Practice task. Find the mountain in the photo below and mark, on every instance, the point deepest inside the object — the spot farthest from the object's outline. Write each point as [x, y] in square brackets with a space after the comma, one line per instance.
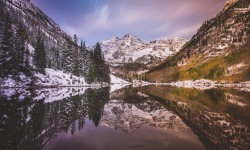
[31, 44]
[219, 50]
[131, 49]
[34, 21]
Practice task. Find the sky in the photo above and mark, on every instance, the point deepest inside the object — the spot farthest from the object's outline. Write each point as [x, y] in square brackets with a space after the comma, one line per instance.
[98, 20]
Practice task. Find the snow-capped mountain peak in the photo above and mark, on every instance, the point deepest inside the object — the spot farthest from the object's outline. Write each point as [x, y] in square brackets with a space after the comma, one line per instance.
[131, 49]
[115, 38]
[110, 41]
[131, 37]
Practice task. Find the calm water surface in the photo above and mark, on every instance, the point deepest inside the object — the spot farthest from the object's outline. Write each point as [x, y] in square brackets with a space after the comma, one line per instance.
[131, 118]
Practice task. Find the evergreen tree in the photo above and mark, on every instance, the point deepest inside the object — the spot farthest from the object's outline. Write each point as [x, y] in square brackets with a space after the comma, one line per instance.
[54, 58]
[67, 57]
[76, 65]
[8, 56]
[98, 63]
[75, 39]
[83, 59]
[106, 74]
[89, 77]
[98, 71]
[26, 57]
[39, 54]
[76, 68]
[2, 57]
[19, 45]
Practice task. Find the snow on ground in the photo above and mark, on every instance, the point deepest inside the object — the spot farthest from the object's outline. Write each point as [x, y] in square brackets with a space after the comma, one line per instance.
[51, 78]
[116, 80]
[10, 82]
[235, 69]
[117, 83]
[59, 78]
[202, 84]
[54, 78]
[138, 83]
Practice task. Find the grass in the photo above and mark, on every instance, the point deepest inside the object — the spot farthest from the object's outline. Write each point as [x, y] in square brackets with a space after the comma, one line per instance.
[214, 68]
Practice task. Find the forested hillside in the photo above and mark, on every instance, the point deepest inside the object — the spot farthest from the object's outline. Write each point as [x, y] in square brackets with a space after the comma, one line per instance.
[30, 42]
[219, 50]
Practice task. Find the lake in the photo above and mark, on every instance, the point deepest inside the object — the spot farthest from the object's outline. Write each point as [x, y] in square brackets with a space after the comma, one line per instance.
[142, 118]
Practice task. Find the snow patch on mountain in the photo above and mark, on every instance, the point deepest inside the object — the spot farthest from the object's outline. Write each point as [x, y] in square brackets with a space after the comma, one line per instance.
[131, 49]
[235, 69]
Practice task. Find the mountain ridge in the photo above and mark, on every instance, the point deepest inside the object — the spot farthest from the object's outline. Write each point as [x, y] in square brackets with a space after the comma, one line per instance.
[131, 49]
[34, 43]
[214, 41]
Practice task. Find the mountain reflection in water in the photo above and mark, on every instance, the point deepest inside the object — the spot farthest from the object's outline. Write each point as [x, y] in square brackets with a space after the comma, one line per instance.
[131, 118]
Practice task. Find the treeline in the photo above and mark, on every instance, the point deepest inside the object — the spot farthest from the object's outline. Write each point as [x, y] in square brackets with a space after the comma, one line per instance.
[56, 50]
[13, 42]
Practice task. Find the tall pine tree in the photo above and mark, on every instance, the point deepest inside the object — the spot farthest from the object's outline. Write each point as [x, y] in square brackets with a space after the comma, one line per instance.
[8, 55]
[98, 63]
[83, 59]
[2, 57]
[19, 46]
[90, 69]
[76, 66]
[98, 70]
[39, 54]
[67, 56]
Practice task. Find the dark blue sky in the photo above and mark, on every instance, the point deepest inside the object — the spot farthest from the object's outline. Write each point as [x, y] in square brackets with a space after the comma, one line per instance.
[96, 20]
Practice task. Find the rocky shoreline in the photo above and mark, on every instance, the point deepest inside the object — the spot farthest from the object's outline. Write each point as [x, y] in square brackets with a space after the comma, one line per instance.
[201, 84]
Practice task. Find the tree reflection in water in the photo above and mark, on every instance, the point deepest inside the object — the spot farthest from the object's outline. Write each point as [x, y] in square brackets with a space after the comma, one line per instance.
[31, 124]
[219, 117]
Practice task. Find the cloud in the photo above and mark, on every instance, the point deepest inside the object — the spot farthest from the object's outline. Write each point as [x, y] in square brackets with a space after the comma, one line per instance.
[95, 20]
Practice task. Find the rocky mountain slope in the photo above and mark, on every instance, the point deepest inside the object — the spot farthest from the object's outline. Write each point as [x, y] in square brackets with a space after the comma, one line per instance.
[219, 50]
[131, 49]
[34, 21]
[34, 43]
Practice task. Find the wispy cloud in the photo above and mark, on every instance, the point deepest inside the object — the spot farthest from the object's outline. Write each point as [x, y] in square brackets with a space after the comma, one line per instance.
[95, 20]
